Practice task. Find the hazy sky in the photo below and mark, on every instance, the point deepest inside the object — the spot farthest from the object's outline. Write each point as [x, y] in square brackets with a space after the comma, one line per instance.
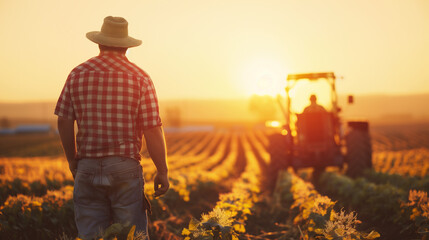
[222, 48]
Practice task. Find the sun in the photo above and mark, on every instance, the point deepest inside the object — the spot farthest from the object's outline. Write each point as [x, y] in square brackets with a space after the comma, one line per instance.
[267, 84]
[263, 76]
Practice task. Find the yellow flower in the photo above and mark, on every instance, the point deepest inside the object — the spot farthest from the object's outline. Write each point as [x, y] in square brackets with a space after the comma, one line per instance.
[415, 214]
[239, 228]
[186, 232]
[36, 203]
[333, 216]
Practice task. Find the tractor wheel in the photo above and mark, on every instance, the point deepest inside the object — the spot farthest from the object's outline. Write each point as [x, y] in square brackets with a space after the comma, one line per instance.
[277, 149]
[359, 152]
[278, 159]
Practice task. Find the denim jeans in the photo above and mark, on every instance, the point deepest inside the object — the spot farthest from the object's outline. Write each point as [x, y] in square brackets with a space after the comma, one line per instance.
[109, 190]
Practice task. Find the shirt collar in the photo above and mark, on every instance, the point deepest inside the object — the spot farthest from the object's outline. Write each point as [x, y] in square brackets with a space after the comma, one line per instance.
[112, 53]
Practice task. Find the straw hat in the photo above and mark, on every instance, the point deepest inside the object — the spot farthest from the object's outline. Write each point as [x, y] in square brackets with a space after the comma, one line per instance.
[114, 33]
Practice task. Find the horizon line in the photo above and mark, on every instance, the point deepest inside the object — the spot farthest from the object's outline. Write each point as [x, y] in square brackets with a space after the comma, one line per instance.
[4, 101]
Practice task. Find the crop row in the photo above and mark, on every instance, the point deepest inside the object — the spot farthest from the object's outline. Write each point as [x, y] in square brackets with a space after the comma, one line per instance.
[34, 169]
[406, 183]
[227, 219]
[30, 145]
[384, 206]
[315, 214]
[35, 188]
[406, 162]
[26, 217]
[32, 176]
[398, 138]
[210, 176]
[186, 179]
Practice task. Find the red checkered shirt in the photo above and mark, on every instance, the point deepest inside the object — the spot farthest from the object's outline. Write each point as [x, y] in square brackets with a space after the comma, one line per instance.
[112, 101]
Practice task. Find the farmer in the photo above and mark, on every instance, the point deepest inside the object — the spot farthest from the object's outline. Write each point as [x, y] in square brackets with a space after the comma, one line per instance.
[314, 107]
[114, 104]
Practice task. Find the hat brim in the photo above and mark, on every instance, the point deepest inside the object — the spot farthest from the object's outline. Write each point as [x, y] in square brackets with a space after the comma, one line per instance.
[100, 38]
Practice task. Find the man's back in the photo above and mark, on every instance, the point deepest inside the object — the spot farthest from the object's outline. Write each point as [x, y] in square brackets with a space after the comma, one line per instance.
[314, 108]
[112, 101]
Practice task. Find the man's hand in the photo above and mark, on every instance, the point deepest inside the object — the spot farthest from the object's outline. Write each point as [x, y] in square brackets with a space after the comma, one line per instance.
[161, 184]
[155, 144]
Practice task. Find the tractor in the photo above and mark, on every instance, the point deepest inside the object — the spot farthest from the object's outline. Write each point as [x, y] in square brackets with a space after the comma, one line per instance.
[316, 139]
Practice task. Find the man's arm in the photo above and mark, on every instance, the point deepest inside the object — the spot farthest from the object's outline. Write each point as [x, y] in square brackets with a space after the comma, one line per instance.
[66, 130]
[155, 144]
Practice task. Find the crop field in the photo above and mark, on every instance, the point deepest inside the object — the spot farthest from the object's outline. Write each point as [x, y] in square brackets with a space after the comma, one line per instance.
[223, 186]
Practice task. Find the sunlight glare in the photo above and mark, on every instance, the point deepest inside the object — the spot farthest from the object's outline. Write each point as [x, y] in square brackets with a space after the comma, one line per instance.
[263, 77]
[267, 85]
[273, 124]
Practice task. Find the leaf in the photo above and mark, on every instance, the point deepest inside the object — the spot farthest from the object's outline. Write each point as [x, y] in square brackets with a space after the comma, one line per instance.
[226, 229]
[186, 232]
[113, 230]
[239, 228]
[131, 233]
[193, 224]
[373, 235]
[339, 232]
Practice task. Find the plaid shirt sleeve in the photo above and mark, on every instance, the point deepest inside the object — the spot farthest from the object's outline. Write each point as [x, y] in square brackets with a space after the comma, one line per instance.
[148, 116]
[64, 107]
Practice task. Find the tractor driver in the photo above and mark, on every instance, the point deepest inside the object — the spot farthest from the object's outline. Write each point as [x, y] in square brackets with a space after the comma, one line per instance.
[314, 107]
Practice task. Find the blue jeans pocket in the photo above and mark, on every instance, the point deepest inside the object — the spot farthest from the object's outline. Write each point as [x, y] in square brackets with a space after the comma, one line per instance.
[126, 186]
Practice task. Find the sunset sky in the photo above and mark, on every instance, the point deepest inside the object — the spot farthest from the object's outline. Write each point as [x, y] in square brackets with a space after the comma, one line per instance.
[221, 49]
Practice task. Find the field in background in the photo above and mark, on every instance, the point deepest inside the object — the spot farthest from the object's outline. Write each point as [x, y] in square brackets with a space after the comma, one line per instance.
[385, 137]
[378, 109]
[229, 165]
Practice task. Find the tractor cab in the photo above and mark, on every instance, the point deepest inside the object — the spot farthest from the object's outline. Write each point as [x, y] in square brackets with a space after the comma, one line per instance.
[312, 136]
[313, 128]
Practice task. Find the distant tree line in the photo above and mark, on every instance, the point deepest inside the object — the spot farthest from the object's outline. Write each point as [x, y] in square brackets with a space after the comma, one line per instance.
[5, 123]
